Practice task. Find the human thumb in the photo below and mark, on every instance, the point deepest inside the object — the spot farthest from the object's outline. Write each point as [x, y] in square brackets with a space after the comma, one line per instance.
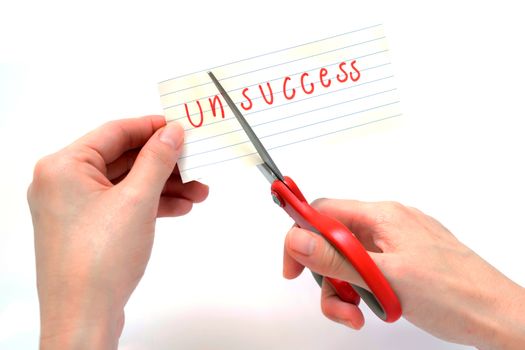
[156, 160]
[313, 251]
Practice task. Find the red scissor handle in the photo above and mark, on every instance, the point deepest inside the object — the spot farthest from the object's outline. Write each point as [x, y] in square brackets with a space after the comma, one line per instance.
[383, 301]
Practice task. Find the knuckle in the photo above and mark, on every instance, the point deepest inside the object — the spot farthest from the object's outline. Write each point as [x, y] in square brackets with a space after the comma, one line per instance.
[320, 203]
[394, 206]
[111, 125]
[50, 168]
[43, 168]
[132, 196]
[48, 175]
[415, 210]
[334, 262]
[389, 211]
[113, 128]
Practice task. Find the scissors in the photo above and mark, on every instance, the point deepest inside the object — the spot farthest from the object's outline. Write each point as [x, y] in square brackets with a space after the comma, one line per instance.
[381, 300]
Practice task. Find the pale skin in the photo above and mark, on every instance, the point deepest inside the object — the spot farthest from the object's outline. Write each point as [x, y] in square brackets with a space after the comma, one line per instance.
[444, 287]
[94, 205]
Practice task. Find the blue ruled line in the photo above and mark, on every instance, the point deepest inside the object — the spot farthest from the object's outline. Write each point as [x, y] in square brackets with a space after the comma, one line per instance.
[273, 66]
[229, 91]
[292, 102]
[273, 52]
[292, 116]
[289, 130]
[292, 143]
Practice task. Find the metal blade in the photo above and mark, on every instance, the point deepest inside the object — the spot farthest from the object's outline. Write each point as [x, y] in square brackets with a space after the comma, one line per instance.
[263, 153]
[267, 172]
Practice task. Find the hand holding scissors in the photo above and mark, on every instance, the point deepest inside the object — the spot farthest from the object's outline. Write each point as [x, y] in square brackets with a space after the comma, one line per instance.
[382, 300]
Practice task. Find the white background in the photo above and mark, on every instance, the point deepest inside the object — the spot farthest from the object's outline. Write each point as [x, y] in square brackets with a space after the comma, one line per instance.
[214, 279]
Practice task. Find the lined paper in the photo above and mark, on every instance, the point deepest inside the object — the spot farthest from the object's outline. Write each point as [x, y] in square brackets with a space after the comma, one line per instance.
[352, 83]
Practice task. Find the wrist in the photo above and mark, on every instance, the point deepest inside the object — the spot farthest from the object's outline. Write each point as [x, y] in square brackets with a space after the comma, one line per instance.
[501, 322]
[69, 327]
[85, 336]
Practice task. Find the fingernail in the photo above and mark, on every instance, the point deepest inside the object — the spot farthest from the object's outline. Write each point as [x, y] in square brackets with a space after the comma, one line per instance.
[172, 135]
[302, 242]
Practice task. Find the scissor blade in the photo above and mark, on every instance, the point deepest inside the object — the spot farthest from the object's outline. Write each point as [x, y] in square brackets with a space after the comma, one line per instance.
[263, 153]
[267, 172]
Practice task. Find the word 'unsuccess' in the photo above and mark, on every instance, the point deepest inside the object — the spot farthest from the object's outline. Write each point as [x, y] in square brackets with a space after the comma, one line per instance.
[306, 87]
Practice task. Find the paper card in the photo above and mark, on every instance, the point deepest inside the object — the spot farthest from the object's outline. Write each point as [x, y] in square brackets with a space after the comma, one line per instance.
[306, 94]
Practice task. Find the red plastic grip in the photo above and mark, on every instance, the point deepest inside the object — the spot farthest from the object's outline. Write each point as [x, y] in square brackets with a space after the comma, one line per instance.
[305, 216]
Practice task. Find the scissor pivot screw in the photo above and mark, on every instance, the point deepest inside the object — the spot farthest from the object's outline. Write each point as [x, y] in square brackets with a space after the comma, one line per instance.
[277, 199]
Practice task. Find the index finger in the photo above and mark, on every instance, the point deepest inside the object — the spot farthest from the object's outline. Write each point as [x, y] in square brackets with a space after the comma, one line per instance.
[361, 218]
[112, 139]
